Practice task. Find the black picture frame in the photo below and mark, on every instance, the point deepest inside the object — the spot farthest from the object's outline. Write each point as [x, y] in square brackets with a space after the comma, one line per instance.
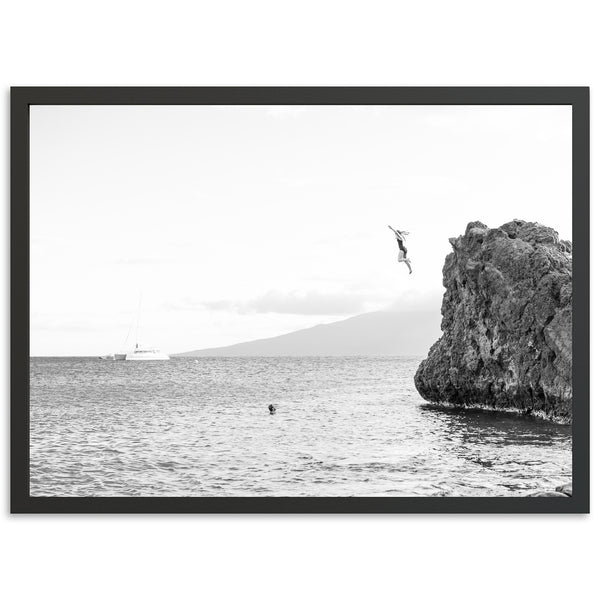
[24, 97]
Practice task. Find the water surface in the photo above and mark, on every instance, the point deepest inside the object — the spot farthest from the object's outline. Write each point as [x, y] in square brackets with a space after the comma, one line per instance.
[344, 427]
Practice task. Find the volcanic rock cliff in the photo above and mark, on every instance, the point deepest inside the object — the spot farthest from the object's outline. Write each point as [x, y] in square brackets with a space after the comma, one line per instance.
[506, 323]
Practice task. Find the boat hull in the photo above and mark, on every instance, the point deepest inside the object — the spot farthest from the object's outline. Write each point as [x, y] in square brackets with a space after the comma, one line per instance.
[157, 356]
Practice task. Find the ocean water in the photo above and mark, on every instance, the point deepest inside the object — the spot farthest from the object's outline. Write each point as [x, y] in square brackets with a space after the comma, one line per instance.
[344, 427]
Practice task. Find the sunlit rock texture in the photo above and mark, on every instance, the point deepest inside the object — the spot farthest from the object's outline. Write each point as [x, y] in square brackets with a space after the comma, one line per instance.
[506, 323]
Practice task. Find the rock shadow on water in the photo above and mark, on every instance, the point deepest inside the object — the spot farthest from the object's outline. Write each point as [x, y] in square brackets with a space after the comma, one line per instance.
[482, 425]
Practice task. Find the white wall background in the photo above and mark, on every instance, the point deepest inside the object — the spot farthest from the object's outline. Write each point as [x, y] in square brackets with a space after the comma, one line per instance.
[523, 42]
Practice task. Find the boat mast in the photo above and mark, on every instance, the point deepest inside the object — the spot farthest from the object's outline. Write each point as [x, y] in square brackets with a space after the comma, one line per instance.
[128, 334]
[137, 327]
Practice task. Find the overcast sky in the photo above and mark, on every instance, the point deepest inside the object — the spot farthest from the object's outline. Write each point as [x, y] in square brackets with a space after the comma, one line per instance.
[240, 222]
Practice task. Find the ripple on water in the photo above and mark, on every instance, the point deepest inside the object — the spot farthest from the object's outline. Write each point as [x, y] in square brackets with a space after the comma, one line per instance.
[344, 427]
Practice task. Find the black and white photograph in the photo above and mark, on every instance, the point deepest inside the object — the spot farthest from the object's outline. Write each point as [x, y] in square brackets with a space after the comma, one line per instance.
[301, 300]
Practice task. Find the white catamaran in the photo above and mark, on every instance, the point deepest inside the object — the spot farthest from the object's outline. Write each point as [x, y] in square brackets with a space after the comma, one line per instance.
[140, 353]
[143, 354]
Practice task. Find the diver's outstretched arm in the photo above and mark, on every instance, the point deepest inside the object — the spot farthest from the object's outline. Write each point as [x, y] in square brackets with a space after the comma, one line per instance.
[395, 232]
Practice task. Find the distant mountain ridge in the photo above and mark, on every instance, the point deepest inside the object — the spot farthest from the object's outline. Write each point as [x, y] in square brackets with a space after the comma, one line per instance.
[384, 333]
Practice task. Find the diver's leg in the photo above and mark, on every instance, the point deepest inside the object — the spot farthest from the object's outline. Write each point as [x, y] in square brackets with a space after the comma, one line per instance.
[402, 259]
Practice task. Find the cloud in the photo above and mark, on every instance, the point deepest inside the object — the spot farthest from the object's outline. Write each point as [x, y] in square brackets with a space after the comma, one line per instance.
[289, 303]
[216, 304]
[309, 303]
[414, 301]
[360, 299]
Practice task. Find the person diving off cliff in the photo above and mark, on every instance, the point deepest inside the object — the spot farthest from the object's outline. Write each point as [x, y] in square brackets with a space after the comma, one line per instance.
[401, 238]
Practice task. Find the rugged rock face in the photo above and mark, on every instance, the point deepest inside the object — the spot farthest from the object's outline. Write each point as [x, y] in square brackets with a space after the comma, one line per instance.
[506, 323]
